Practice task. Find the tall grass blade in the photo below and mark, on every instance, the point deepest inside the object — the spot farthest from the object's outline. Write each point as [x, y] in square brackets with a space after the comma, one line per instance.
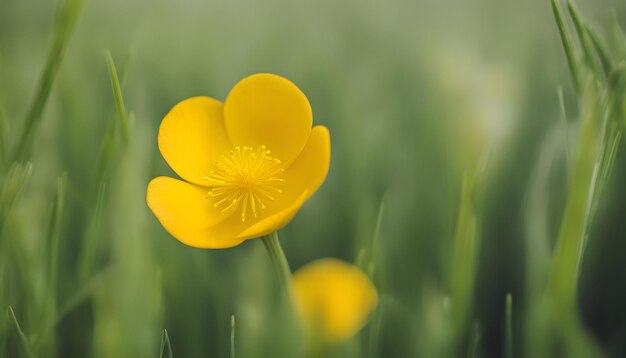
[68, 13]
[580, 27]
[576, 213]
[618, 41]
[601, 49]
[166, 345]
[567, 44]
[117, 96]
[367, 256]
[232, 336]
[54, 231]
[568, 155]
[508, 330]
[53, 238]
[24, 344]
[464, 256]
[106, 149]
[597, 142]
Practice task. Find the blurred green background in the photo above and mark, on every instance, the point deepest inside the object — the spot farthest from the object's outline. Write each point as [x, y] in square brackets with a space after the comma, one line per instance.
[413, 92]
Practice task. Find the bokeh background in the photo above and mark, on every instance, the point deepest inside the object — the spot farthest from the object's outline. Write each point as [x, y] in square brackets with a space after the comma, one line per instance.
[411, 91]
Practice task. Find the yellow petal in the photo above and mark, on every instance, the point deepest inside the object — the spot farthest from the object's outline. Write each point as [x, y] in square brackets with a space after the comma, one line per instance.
[311, 167]
[307, 173]
[302, 179]
[335, 298]
[266, 109]
[187, 214]
[275, 221]
[192, 136]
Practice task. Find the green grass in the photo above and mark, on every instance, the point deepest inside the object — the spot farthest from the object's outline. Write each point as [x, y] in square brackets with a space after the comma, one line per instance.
[475, 176]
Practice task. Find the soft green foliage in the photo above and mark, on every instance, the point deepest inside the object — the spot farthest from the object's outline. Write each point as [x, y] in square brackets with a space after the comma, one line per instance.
[472, 180]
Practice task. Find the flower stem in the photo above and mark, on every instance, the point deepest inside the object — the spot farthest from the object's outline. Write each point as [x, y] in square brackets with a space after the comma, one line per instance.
[279, 261]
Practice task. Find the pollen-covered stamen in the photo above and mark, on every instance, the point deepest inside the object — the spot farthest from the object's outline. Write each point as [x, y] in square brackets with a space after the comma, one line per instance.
[247, 178]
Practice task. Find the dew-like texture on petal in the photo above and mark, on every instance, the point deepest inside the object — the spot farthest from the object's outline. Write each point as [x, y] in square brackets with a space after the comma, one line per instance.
[309, 170]
[192, 136]
[334, 297]
[186, 213]
[266, 109]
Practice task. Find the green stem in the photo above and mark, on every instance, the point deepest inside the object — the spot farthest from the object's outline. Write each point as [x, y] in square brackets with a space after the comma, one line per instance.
[279, 261]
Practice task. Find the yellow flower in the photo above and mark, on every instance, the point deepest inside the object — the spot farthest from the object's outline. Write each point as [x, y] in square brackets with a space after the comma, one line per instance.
[248, 164]
[335, 298]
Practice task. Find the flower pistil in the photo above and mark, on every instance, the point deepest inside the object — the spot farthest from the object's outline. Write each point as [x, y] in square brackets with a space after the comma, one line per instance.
[245, 178]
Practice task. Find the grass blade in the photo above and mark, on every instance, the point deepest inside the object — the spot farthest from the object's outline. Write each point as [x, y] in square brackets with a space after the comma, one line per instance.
[53, 238]
[367, 256]
[24, 344]
[601, 50]
[109, 138]
[568, 155]
[232, 336]
[567, 44]
[166, 345]
[54, 230]
[117, 96]
[465, 251]
[67, 16]
[580, 26]
[508, 330]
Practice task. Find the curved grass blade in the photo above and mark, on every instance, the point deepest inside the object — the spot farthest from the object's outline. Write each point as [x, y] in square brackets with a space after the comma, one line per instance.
[53, 238]
[109, 138]
[568, 155]
[68, 13]
[588, 54]
[601, 50]
[117, 96]
[567, 44]
[367, 256]
[166, 345]
[54, 231]
[24, 344]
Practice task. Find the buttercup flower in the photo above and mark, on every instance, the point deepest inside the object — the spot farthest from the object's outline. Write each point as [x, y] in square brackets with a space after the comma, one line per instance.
[335, 298]
[248, 165]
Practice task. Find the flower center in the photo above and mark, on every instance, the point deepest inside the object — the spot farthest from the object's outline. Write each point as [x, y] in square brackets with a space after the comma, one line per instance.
[245, 178]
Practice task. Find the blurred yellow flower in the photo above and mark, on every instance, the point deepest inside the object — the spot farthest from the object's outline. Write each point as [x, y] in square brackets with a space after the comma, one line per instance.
[335, 298]
[248, 165]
